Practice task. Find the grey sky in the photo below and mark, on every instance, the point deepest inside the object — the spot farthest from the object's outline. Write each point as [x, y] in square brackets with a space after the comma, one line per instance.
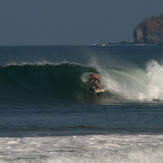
[67, 22]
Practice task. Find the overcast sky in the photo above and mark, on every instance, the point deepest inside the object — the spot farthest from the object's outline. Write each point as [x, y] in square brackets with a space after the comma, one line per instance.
[67, 22]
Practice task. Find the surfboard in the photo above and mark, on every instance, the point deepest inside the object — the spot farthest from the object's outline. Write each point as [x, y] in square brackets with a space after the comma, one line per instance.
[95, 91]
[99, 90]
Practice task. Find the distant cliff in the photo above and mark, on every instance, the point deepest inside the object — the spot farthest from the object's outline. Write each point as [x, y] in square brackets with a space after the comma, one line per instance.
[150, 31]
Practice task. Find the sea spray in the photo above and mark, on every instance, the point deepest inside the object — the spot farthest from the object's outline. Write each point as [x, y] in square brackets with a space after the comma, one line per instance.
[155, 81]
[135, 83]
[124, 82]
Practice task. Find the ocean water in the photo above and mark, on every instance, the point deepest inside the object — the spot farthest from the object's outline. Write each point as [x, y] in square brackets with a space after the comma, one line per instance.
[47, 113]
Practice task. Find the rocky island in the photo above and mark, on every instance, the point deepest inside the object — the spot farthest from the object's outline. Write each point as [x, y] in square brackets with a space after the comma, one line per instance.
[149, 31]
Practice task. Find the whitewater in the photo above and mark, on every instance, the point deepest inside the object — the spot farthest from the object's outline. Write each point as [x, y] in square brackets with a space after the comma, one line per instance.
[47, 113]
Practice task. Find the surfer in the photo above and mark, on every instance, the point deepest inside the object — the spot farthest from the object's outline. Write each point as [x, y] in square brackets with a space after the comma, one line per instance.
[96, 80]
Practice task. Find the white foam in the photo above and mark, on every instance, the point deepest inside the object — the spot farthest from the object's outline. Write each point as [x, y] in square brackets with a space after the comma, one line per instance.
[124, 82]
[81, 149]
[135, 83]
[155, 78]
[41, 63]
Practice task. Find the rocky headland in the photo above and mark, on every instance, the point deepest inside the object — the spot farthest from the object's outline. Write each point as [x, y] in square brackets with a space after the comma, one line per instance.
[149, 31]
[146, 32]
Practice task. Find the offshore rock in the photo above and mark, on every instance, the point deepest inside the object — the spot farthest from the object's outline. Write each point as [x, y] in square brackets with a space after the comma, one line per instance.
[149, 31]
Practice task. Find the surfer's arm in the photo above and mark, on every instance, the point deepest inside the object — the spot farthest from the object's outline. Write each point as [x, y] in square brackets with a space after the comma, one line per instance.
[97, 77]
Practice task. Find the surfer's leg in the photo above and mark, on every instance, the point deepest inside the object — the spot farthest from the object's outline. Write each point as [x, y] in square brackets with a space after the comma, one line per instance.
[98, 85]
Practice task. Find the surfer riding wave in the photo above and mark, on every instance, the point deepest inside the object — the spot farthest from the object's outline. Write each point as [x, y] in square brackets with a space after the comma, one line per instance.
[96, 81]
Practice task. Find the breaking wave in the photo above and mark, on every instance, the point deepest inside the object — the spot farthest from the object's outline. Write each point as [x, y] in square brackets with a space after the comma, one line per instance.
[70, 82]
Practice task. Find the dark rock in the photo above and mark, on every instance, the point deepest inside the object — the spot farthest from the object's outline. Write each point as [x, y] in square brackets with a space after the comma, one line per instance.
[149, 31]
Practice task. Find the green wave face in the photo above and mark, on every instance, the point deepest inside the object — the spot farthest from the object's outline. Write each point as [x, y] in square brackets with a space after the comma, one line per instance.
[60, 81]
